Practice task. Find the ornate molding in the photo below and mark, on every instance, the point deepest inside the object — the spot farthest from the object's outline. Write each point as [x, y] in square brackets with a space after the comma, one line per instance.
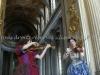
[2, 14]
[74, 19]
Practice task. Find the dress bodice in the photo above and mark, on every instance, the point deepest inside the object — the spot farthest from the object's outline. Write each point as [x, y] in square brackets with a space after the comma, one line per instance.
[72, 54]
[26, 57]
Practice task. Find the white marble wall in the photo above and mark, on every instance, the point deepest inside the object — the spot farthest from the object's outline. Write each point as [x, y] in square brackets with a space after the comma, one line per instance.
[87, 37]
[90, 17]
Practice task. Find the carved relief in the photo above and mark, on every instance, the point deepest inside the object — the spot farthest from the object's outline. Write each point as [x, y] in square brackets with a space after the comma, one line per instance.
[74, 22]
[2, 12]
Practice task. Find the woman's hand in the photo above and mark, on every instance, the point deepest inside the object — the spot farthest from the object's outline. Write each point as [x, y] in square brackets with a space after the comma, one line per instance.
[48, 45]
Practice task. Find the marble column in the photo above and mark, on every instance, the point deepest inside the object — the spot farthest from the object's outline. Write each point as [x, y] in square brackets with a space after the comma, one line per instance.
[92, 8]
[0, 41]
[87, 36]
[2, 12]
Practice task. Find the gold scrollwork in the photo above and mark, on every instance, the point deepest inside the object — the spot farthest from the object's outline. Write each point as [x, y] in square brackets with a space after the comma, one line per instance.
[74, 18]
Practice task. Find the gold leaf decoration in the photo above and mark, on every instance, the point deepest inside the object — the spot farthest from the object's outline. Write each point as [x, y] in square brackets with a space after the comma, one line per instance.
[73, 18]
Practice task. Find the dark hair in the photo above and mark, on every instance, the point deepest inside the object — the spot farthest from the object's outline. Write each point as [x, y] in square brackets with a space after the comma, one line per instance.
[71, 39]
[22, 41]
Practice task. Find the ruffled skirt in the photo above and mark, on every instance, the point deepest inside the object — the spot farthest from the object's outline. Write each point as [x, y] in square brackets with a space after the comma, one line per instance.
[78, 68]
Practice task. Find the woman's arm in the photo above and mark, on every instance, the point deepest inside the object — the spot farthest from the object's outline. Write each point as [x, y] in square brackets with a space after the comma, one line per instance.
[29, 44]
[44, 52]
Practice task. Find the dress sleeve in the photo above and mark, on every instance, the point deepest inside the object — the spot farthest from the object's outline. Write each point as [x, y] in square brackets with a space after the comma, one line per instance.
[19, 51]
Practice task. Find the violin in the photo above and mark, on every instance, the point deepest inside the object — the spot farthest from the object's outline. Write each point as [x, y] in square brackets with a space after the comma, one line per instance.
[78, 48]
[40, 47]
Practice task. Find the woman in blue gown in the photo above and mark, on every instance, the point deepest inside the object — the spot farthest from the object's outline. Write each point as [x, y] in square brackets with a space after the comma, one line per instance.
[78, 66]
